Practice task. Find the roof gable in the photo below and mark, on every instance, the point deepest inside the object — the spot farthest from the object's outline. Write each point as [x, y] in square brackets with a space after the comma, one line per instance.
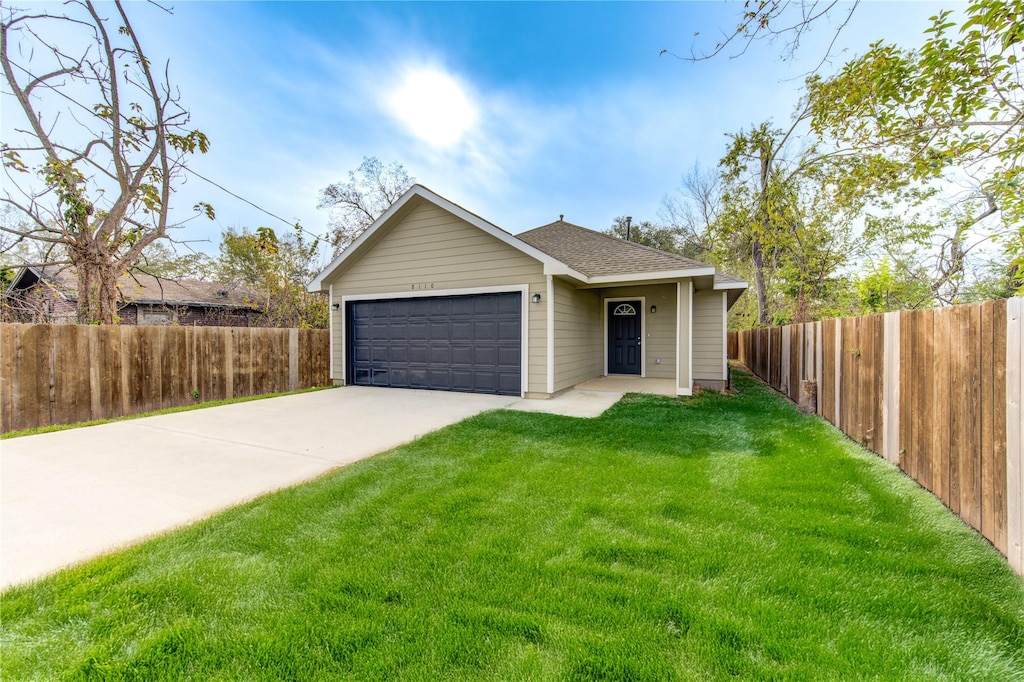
[394, 214]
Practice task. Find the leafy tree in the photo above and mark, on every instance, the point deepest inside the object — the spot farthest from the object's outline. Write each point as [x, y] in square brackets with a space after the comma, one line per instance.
[647, 233]
[277, 269]
[102, 142]
[791, 205]
[355, 204]
[882, 288]
[956, 104]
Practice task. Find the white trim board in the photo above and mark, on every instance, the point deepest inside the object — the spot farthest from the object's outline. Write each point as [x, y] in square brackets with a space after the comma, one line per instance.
[643, 330]
[522, 289]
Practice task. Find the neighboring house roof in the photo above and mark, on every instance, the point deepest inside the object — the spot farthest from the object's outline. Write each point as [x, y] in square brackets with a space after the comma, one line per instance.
[597, 254]
[144, 289]
[564, 249]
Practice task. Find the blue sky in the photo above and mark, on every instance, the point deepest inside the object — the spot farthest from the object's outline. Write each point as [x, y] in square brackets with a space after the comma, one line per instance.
[564, 107]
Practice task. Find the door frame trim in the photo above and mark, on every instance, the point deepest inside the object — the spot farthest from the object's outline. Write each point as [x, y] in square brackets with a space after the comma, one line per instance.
[643, 330]
[524, 298]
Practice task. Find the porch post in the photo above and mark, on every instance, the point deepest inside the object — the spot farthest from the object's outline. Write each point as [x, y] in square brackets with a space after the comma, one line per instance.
[684, 337]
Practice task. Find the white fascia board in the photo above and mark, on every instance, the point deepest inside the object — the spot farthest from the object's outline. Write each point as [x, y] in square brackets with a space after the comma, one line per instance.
[731, 285]
[318, 284]
[644, 276]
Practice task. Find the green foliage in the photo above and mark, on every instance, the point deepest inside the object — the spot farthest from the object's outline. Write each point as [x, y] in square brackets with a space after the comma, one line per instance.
[647, 233]
[278, 268]
[882, 288]
[954, 104]
[717, 537]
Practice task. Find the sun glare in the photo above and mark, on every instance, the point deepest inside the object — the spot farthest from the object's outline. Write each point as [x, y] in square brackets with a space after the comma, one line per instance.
[433, 106]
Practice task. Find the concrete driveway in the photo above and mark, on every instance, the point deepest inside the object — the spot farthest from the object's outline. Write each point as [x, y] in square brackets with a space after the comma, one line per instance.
[73, 495]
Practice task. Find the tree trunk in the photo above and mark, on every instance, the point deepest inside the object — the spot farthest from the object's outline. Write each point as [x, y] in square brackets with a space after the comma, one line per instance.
[759, 286]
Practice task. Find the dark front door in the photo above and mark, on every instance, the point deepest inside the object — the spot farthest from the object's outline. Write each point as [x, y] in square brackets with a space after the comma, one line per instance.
[447, 343]
[624, 336]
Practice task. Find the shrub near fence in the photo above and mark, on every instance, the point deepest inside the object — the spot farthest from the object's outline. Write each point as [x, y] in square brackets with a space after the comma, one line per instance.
[936, 392]
[62, 374]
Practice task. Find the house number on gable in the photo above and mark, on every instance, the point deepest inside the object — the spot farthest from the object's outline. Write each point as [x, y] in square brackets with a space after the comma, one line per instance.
[422, 285]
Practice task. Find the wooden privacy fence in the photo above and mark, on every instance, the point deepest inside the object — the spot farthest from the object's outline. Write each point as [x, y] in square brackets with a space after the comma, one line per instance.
[62, 374]
[936, 392]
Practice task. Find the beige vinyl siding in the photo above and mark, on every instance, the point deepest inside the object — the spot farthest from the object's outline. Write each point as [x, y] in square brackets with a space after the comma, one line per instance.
[708, 335]
[578, 335]
[659, 328]
[431, 249]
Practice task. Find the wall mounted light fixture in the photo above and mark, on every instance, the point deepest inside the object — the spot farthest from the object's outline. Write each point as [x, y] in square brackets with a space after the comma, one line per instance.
[335, 306]
[536, 298]
[654, 308]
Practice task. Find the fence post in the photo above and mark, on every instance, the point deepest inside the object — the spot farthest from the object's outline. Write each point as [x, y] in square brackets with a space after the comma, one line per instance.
[839, 375]
[819, 359]
[787, 349]
[293, 359]
[1014, 428]
[891, 388]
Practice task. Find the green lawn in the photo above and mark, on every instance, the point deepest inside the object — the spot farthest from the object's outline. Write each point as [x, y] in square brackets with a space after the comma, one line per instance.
[695, 538]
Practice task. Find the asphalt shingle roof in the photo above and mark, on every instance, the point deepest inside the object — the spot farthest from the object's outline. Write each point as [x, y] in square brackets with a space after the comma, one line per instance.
[596, 254]
[141, 288]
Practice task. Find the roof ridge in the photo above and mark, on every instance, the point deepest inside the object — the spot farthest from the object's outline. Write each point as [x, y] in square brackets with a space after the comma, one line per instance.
[623, 241]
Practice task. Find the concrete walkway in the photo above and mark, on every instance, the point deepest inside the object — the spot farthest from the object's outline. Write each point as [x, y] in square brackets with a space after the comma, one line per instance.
[72, 495]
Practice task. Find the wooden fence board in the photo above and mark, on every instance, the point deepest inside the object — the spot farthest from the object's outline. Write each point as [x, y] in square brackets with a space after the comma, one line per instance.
[985, 450]
[938, 457]
[937, 392]
[827, 388]
[69, 373]
[7, 374]
[957, 414]
[969, 400]
[72, 399]
[999, 458]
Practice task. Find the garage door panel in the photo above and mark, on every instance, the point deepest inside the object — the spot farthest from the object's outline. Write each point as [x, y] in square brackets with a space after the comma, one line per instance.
[440, 307]
[509, 356]
[508, 382]
[485, 331]
[462, 306]
[485, 355]
[418, 331]
[362, 352]
[462, 331]
[399, 332]
[399, 354]
[485, 305]
[419, 354]
[439, 331]
[510, 305]
[440, 354]
[399, 377]
[440, 377]
[456, 343]
[462, 355]
[462, 380]
[508, 330]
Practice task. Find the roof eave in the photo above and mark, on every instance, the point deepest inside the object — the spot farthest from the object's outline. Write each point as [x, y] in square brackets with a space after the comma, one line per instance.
[731, 285]
[639, 277]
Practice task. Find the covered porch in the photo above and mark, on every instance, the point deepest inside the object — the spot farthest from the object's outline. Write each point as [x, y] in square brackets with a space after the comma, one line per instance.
[629, 384]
